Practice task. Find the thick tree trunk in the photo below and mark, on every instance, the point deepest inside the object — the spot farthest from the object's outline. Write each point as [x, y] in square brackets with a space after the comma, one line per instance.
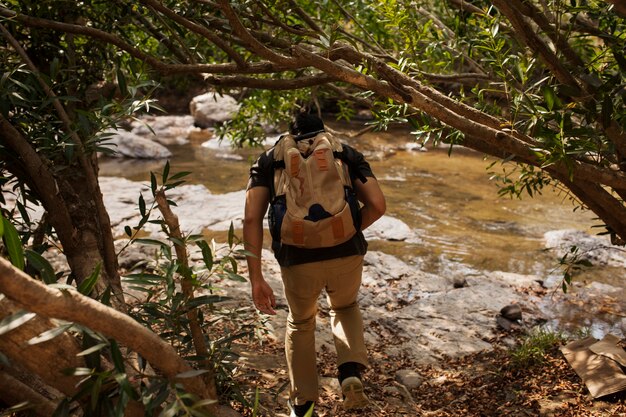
[87, 243]
[68, 197]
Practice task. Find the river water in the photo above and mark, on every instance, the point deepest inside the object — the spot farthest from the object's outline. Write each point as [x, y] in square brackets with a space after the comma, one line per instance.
[448, 200]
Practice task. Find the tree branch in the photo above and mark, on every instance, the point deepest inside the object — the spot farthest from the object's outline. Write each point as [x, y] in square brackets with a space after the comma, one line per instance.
[270, 84]
[13, 391]
[356, 22]
[184, 57]
[253, 44]
[38, 359]
[598, 200]
[467, 7]
[527, 35]
[163, 68]
[347, 96]
[304, 16]
[277, 22]
[197, 334]
[72, 306]
[201, 30]
[530, 10]
[471, 121]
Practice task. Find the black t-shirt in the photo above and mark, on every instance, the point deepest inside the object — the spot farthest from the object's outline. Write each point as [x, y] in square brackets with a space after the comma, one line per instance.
[262, 175]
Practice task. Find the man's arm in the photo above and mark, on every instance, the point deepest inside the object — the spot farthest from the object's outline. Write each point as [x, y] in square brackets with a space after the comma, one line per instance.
[257, 200]
[374, 205]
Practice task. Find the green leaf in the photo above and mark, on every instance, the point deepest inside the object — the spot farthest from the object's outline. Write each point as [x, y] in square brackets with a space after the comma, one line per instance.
[79, 371]
[155, 242]
[121, 81]
[13, 243]
[550, 97]
[128, 231]
[142, 206]
[235, 277]
[63, 409]
[207, 255]
[125, 385]
[206, 299]
[192, 373]
[14, 321]
[166, 171]
[95, 348]
[95, 392]
[153, 183]
[174, 184]
[233, 264]
[244, 252]
[42, 266]
[116, 355]
[231, 235]
[142, 278]
[89, 283]
[50, 334]
[180, 175]
[584, 262]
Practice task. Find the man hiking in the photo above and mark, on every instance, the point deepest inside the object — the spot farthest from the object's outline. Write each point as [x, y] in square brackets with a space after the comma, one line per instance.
[311, 182]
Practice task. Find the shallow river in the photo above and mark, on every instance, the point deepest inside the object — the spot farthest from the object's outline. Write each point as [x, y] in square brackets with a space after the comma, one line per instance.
[462, 223]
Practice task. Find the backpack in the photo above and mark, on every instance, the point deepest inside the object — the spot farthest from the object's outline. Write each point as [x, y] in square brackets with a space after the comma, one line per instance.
[314, 205]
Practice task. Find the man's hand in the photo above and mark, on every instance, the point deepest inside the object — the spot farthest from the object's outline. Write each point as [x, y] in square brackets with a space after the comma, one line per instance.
[263, 296]
[257, 201]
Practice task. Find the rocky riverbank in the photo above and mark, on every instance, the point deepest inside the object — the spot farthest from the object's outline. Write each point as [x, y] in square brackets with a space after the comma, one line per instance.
[423, 315]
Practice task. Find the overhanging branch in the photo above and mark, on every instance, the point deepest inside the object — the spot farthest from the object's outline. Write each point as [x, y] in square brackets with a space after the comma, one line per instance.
[74, 307]
[269, 84]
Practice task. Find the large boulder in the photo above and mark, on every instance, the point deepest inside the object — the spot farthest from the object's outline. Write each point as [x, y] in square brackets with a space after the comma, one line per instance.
[125, 144]
[166, 130]
[596, 249]
[390, 228]
[211, 108]
[197, 208]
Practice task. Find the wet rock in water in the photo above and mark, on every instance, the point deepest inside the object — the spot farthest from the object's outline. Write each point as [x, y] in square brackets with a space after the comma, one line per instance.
[125, 144]
[197, 134]
[416, 147]
[211, 108]
[166, 130]
[596, 249]
[389, 228]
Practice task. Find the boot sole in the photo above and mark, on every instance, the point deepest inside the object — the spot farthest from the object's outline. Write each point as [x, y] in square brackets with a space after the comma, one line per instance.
[354, 397]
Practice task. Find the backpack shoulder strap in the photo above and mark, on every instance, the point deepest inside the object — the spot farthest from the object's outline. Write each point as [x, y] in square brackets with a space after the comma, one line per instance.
[281, 148]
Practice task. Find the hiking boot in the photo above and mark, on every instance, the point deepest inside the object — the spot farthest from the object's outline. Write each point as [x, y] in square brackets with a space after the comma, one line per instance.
[353, 394]
[301, 410]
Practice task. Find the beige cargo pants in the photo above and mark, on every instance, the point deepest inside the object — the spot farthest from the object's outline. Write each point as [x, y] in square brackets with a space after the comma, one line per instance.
[341, 278]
